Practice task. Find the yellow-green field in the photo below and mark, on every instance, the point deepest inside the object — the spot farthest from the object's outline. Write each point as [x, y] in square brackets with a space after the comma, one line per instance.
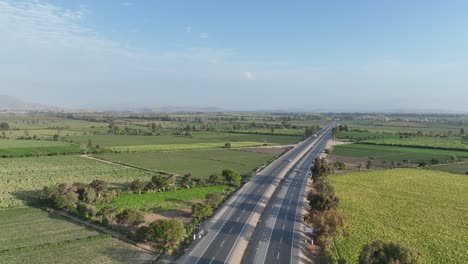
[426, 210]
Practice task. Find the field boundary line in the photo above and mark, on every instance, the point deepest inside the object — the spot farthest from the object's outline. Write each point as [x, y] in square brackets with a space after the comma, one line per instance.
[125, 165]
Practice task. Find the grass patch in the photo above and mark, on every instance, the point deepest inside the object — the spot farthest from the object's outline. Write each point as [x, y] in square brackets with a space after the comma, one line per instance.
[162, 201]
[21, 178]
[394, 153]
[459, 168]
[201, 163]
[426, 210]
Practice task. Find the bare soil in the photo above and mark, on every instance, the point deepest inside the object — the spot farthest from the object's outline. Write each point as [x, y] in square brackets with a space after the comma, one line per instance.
[185, 216]
[359, 164]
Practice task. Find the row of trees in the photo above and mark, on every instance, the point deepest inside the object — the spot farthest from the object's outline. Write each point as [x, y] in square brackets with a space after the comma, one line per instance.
[328, 222]
[161, 183]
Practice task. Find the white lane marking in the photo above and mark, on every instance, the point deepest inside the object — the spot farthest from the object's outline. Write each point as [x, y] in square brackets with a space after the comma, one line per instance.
[277, 257]
[236, 203]
[222, 243]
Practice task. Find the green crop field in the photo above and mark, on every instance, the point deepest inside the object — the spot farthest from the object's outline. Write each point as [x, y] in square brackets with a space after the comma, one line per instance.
[431, 142]
[426, 210]
[196, 138]
[33, 236]
[394, 153]
[164, 147]
[17, 148]
[459, 168]
[161, 201]
[21, 178]
[353, 135]
[201, 163]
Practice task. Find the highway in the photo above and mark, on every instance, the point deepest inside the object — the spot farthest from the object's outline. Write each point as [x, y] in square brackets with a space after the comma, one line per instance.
[277, 237]
[227, 234]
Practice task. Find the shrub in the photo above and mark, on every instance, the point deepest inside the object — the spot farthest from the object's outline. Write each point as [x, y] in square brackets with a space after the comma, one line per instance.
[388, 252]
[130, 216]
[201, 211]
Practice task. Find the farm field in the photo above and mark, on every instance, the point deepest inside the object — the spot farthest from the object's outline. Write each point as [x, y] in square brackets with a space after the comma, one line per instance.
[197, 137]
[162, 201]
[164, 147]
[397, 154]
[353, 135]
[201, 163]
[378, 126]
[423, 209]
[32, 236]
[459, 168]
[429, 142]
[17, 148]
[21, 178]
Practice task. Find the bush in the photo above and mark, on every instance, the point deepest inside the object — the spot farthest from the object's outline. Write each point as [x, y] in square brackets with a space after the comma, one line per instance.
[232, 177]
[214, 199]
[142, 234]
[130, 216]
[201, 211]
[388, 252]
[168, 232]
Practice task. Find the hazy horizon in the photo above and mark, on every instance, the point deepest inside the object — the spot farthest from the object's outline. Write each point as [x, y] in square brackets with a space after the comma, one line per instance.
[361, 56]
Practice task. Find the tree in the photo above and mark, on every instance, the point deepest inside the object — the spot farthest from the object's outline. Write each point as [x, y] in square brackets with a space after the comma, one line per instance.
[214, 199]
[168, 232]
[201, 211]
[215, 179]
[340, 165]
[142, 234]
[56, 137]
[320, 169]
[389, 252]
[89, 195]
[4, 126]
[130, 216]
[232, 177]
[462, 131]
[369, 164]
[99, 186]
[159, 182]
[328, 225]
[187, 180]
[137, 186]
[323, 198]
[227, 145]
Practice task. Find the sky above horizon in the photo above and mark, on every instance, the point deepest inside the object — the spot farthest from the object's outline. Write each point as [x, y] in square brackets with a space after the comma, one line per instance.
[237, 55]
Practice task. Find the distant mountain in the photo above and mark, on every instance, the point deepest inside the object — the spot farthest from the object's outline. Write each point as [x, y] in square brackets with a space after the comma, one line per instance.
[142, 108]
[13, 104]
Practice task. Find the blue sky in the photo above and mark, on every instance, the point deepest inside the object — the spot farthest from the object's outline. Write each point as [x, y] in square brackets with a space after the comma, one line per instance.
[312, 55]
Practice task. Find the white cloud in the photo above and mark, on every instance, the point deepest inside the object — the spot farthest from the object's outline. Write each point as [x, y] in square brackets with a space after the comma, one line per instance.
[248, 75]
[188, 29]
[126, 3]
[204, 35]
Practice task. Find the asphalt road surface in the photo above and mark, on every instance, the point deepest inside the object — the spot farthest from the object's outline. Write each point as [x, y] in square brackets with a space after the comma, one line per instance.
[225, 232]
[276, 238]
